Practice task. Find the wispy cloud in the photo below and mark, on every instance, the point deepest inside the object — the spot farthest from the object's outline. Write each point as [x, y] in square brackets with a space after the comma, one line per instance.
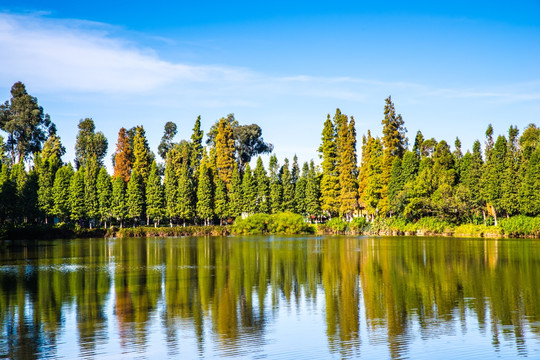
[85, 57]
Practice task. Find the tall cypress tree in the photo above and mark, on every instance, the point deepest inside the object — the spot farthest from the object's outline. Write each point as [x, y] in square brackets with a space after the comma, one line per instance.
[235, 193]
[118, 201]
[185, 202]
[249, 191]
[288, 188]
[492, 179]
[263, 189]
[76, 196]
[196, 147]
[135, 197]
[62, 181]
[7, 194]
[330, 180]
[142, 158]
[276, 190]
[122, 156]
[225, 151]
[371, 194]
[313, 205]
[511, 182]
[221, 201]
[300, 190]
[394, 145]
[155, 197]
[90, 189]
[104, 193]
[395, 186]
[348, 195]
[205, 192]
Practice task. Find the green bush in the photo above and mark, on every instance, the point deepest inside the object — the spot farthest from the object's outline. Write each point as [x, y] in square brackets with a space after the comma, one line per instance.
[254, 224]
[280, 223]
[358, 224]
[520, 226]
[471, 230]
[336, 225]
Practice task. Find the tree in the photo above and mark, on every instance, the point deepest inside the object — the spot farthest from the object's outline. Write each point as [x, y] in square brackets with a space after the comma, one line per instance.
[166, 140]
[135, 197]
[196, 147]
[394, 145]
[4, 159]
[62, 181]
[122, 156]
[529, 194]
[221, 201]
[76, 196]
[276, 190]
[288, 203]
[313, 205]
[118, 201]
[300, 190]
[248, 141]
[155, 198]
[395, 187]
[47, 163]
[205, 192]
[370, 175]
[25, 122]
[91, 171]
[224, 151]
[511, 181]
[186, 195]
[104, 193]
[249, 192]
[142, 157]
[492, 179]
[263, 189]
[330, 180]
[347, 170]
[89, 144]
[235, 193]
[7, 194]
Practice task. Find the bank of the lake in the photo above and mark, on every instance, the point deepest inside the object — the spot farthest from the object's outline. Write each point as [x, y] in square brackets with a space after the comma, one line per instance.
[288, 223]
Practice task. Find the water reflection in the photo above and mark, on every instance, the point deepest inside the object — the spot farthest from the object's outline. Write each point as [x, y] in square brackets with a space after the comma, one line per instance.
[277, 297]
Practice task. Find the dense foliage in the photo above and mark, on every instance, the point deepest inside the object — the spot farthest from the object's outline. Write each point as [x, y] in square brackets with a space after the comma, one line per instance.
[428, 187]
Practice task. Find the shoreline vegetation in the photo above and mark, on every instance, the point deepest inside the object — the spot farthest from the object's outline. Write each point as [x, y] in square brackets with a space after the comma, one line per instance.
[391, 188]
[287, 224]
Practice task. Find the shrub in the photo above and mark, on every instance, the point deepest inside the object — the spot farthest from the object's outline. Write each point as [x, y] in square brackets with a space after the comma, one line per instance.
[280, 223]
[520, 226]
[358, 224]
[254, 224]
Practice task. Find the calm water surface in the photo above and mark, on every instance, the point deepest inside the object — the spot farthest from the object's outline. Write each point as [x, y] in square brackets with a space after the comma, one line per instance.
[270, 298]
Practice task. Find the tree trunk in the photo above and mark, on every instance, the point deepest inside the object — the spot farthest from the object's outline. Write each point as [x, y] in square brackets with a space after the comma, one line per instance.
[484, 216]
[494, 214]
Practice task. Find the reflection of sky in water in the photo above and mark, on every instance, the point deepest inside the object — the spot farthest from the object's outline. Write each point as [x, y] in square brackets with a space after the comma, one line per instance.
[292, 319]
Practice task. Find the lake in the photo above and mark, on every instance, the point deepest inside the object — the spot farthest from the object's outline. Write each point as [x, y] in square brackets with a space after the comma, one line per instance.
[271, 297]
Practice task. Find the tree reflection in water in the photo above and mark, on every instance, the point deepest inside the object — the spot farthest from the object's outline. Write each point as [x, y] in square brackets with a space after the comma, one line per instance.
[229, 294]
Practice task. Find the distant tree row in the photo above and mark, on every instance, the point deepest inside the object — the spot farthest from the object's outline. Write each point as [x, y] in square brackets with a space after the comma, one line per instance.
[215, 183]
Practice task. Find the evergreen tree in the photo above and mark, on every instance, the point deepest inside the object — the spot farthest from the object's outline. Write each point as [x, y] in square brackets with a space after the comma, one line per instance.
[62, 181]
[249, 192]
[330, 180]
[235, 193]
[205, 192]
[288, 188]
[221, 201]
[529, 195]
[300, 191]
[262, 188]
[142, 157]
[394, 145]
[196, 147]
[155, 197]
[348, 196]
[511, 181]
[90, 188]
[172, 170]
[7, 194]
[225, 151]
[119, 208]
[276, 190]
[492, 179]
[313, 205]
[186, 195]
[417, 147]
[135, 197]
[122, 156]
[104, 193]
[76, 196]
[395, 187]
[372, 192]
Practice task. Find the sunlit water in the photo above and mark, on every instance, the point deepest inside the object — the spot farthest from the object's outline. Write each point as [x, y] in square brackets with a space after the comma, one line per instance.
[271, 297]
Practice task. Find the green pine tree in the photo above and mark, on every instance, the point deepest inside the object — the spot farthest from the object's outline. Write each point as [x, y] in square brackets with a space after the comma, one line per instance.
[90, 188]
[104, 193]
[235, 193]
[185, 201]
[62, 181]
[300, 191]
[276, 190]
[135, 197]
[155, 197]
[330, 180]
[221, 201]
[118, 201]
[263, 189]
[313, 192]
[76, 196]
[205, 192]
[249, 192]
[288, 203]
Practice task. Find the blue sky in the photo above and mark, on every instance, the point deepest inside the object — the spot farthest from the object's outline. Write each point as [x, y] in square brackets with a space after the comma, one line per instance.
[451, 68]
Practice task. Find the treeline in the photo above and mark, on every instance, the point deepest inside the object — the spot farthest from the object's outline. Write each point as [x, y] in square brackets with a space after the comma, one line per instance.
[213, 182]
